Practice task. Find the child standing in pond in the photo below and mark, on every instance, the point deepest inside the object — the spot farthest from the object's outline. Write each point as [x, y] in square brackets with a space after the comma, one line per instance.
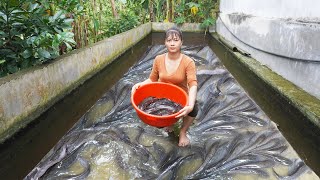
[178, 69]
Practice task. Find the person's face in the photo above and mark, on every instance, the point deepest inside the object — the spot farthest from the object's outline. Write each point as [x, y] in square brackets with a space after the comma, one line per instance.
[173, 43]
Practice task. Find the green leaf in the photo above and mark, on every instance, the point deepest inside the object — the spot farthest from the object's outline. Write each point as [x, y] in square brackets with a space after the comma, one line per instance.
[44, 53]
[12, 68]
[34, 6]
[68, 21]
[56, 42]
[2, 33]
[180, 20]
[11, 56]
[13, 3]
[17, 24]
[26, 54]
[2, 61]
[57, 30]
[96, 25]
[3, 17]
[207, 22]
[19, 12]
[31, 40]
[25, 63]
[142, 1]
[68, 46]
[192, 4]
[57, 15]
[79, 8]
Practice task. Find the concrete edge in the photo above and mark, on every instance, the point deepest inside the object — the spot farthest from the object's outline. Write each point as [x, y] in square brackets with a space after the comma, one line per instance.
[27, 94]
[186, 27]
[307, 104]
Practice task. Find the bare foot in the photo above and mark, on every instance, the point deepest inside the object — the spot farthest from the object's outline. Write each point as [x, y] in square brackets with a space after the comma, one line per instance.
[168, 129]
[183, 139]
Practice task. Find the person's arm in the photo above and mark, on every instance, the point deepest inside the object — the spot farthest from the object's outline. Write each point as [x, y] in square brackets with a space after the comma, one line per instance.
[154, 76]
[192, 96]
[191, 100]
[136, 86]
[192, 83]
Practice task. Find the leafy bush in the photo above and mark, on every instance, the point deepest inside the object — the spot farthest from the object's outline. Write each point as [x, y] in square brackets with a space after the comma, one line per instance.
[33, 32]
[127, 20]
[31, 35]
[192, 12]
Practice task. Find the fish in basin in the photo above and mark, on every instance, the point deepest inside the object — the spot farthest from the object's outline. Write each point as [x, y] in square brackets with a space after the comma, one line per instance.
[159, 106]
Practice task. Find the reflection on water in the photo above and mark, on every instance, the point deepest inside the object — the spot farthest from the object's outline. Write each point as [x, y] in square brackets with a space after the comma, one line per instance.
[230, 138]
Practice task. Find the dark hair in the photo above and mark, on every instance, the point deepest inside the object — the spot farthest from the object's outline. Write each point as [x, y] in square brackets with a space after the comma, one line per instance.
[173, 31]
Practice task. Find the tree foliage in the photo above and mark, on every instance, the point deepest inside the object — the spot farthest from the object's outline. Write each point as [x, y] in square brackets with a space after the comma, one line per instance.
[196, 12]
[34, 32]
[31, 34]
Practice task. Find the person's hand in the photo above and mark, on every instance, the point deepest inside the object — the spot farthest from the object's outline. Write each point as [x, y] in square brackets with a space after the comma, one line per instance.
[184, 111]
[135, 87]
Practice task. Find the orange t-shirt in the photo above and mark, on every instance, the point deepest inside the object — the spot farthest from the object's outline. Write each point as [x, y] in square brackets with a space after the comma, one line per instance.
[184, 76]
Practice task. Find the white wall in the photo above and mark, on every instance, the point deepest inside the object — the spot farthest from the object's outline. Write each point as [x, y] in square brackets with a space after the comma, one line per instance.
[273, 8]
[284, 35]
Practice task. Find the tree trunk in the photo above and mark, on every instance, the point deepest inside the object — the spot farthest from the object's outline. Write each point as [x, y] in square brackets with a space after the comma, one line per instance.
[100, 13]
[151, 11]
[168, 10]
[95, 27]
[114, 11]
[172, 10]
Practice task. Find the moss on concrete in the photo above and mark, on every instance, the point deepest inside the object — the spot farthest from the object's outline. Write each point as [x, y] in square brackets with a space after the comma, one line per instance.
[307, 104]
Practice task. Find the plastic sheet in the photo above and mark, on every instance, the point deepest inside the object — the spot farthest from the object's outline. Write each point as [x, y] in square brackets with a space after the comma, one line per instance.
[231, 137]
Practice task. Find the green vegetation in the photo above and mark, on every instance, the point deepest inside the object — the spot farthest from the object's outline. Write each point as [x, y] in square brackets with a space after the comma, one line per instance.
[30, 36]
[203, 12]
[34, 32]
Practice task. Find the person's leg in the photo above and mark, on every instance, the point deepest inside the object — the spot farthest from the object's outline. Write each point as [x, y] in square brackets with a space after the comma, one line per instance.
[187, 121]
[183, 139]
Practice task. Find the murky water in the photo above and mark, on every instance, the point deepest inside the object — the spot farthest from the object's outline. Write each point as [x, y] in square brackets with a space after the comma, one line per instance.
[231, 138]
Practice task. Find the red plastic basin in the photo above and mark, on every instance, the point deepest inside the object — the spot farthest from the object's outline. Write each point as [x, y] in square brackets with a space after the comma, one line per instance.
[158, 90]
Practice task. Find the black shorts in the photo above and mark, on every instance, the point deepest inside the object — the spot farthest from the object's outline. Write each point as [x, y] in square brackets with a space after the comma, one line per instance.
[194, 112]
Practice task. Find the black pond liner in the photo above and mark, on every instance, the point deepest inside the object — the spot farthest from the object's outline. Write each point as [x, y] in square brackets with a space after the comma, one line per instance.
[231, 136]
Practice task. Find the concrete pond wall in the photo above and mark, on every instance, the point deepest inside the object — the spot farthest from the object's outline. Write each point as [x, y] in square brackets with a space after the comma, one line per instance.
[27, 94]
[282, 35]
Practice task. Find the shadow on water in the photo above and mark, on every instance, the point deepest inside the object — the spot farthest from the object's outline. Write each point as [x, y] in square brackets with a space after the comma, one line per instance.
[297, 129]
[230, 138]
[21, 153]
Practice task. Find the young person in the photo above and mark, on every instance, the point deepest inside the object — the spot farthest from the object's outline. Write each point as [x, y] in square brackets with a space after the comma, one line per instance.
[178, 69]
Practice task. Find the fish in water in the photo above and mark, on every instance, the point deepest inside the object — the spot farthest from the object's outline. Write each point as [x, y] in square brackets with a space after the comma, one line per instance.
[159, 106]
